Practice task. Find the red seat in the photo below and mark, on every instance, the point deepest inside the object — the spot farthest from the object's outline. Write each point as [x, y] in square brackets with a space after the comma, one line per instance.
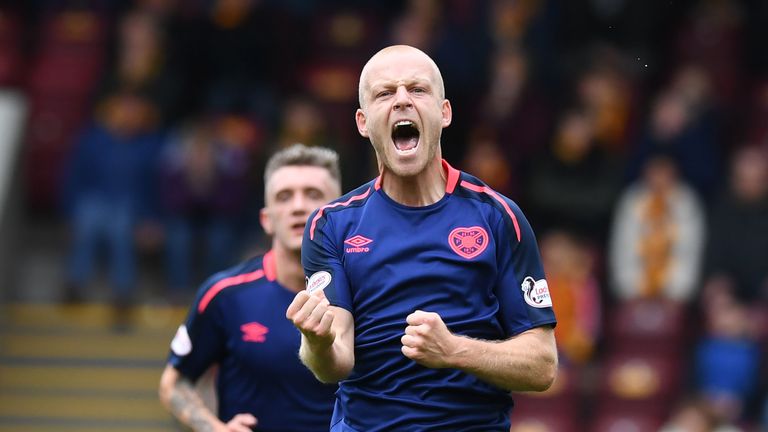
[565, 389]
[554, 421]
[62, 73]
[557, 409]
[627, 421]
[70, 53]
[52, 128]
[639, 383]
[652, 325]
[11, 63]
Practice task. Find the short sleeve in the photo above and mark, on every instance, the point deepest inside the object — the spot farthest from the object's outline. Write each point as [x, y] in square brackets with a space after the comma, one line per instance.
[322, 265]
[522, 288]
[200, 342]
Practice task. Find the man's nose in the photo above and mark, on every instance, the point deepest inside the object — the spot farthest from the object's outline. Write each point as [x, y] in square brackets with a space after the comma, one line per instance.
[402, 98]
[299, 203]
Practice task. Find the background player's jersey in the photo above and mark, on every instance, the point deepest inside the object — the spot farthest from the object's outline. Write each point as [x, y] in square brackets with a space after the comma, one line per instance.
[238, 322]
[470, 257]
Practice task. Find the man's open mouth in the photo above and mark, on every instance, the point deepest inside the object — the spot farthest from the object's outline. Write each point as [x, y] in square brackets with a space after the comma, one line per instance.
[405, 135]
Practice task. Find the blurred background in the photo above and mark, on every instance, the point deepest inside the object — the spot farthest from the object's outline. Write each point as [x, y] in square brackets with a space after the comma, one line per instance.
[633, 134]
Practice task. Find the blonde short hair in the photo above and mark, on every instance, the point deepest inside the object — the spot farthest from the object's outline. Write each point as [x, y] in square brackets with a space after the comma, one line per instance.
[302, 155]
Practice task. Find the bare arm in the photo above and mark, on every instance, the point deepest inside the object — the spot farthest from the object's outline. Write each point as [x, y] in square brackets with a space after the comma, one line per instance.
[327, 336]
[525, 362]
[178, 395]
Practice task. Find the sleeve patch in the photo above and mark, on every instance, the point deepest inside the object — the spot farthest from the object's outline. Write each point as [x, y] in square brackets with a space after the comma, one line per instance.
[536, 292]
[181, 344]
[318, 281]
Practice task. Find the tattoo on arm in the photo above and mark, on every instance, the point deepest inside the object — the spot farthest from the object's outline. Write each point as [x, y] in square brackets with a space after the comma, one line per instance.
[188, 407]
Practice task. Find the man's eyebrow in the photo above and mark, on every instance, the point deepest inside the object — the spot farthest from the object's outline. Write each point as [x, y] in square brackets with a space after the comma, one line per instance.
[422, 82]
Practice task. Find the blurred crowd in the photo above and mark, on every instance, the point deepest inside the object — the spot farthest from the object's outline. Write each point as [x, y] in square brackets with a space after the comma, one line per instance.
[633, 134]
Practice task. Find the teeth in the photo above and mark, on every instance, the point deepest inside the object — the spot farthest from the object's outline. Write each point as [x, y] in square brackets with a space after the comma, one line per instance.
[404, 123]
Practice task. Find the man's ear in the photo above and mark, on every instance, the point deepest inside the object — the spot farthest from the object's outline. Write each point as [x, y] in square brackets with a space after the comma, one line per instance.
[265, 221]
[447, 113]
[362, 124]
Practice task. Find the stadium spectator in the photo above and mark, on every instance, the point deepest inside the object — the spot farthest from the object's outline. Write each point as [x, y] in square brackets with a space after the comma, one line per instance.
[573, 284]
[574, 182]
[487, 160]
[236, 58]
[518, 112]
[657, 238]
[712, 36]
[204, 188]
[110, 193]
[141, 65]
[302, 121]
[728, 344]
[694, 415]
[607, 92]
[683, 122]
[738, 230]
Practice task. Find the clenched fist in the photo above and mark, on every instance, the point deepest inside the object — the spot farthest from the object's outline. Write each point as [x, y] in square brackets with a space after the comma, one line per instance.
[310, 313]
[428, 341]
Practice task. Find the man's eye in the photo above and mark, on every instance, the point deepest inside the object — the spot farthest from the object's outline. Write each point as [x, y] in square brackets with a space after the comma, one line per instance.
[418, 90]
[383, 93]
[314, 194]
[283, 196]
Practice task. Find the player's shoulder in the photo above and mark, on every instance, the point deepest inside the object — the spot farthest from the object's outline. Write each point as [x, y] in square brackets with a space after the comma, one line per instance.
[354, 199]
[472, 188]
[252, 270]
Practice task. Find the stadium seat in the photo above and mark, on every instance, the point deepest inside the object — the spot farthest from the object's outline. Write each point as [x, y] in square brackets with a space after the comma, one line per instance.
[70, 53]
[647, 325]
[544, 422]
[557, 409]
[52, 128]
[11, 62]
[639, 383]
[627, 421]
[63, 73]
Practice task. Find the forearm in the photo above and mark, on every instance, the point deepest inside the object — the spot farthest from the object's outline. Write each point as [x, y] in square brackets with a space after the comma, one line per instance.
[526, 362]
[179, 396]
[327, 336]
[329, 364]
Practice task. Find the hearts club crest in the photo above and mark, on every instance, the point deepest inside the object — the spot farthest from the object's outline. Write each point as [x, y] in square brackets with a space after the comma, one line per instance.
[468, 242]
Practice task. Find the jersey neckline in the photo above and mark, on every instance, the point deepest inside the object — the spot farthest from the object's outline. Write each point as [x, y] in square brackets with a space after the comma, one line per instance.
[452, 179]
[451, 173]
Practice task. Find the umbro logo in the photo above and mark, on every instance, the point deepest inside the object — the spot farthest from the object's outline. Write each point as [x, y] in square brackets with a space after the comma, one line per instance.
[254, 332]
[358, 244]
